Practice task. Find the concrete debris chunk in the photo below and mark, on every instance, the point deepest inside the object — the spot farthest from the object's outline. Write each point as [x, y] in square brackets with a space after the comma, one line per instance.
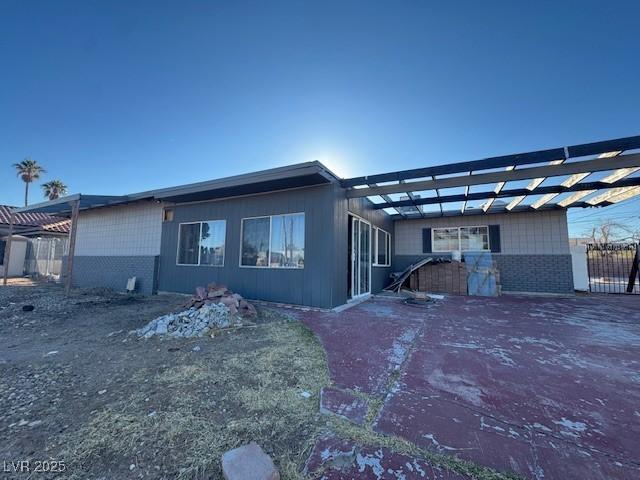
[217, 292]
[248, 462]
[211, 308]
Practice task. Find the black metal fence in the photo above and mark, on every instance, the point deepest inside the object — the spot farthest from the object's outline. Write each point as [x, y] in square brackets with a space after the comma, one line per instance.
[613, 267]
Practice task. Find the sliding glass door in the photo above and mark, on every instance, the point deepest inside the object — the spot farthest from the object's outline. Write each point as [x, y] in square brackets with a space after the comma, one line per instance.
[360, 257]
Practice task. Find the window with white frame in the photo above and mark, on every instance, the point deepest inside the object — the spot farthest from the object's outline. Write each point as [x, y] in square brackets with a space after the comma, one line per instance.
[381, 248]
[275, 241]
[202, 243]
[460, 238]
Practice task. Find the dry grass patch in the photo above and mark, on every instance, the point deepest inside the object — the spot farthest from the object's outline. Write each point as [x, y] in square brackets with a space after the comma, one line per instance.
[250, 390]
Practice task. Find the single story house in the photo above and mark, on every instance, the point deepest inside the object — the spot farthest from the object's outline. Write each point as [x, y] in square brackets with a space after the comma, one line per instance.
[300, 234]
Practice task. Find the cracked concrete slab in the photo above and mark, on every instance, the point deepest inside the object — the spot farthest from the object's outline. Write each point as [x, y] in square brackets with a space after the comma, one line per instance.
[543, 387]
[343, 404]
[537, 386]
[333, 458]
[366, 343]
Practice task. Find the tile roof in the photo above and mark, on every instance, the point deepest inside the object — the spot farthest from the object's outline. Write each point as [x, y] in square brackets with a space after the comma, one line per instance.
[40, 221]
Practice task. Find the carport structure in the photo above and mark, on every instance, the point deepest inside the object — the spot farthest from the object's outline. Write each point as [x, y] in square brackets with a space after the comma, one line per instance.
[587, 175]
[68, 207]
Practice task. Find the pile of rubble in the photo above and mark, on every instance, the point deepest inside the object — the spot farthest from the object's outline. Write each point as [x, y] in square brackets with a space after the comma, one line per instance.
[210, 308]
[215, 293]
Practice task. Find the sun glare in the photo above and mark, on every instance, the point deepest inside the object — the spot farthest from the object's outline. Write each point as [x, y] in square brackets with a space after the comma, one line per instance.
[334, 163]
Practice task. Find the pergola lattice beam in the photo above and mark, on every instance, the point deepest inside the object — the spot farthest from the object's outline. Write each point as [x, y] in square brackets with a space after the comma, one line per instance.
[595, 165]
[540, 156]
[498, 189]
[484, 164]
[572, 180]
[535, 183]
[551, 189]
[479, 211]
[413, 199]
[572, 199]
[386, 198]
[608, 195]
[632, 192]
[466, 193]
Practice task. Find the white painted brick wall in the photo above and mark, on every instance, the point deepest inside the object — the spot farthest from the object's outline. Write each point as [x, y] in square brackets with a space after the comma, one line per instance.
[133, 229]
[520, 233]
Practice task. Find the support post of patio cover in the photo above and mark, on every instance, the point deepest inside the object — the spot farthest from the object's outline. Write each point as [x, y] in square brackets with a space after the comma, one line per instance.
[635, 270]
[75, 208]
[7, 250]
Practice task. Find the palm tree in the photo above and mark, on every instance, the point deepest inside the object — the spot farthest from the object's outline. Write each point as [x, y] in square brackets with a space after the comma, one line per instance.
[54, 189]
[28, 170]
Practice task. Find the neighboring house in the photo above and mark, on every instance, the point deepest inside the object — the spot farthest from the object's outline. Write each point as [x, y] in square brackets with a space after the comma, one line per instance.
[30, 224]
[301, 235]
[39, 242]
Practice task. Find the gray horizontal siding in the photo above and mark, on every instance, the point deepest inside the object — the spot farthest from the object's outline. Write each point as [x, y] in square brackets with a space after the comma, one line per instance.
[540, 233]
[311, 285]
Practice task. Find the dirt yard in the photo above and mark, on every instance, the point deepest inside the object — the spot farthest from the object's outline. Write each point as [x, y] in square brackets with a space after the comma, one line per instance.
[79, 388]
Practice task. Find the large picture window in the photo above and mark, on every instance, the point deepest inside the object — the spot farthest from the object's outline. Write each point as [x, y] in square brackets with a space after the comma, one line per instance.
[381, 248]
[276, 241]
[460, 238]
[202, 243]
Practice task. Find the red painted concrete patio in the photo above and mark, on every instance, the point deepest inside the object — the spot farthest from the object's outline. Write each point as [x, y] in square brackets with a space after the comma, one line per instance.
[542, 387]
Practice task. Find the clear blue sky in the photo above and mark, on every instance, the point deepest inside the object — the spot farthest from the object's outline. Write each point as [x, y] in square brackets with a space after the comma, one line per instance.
[116, 97]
